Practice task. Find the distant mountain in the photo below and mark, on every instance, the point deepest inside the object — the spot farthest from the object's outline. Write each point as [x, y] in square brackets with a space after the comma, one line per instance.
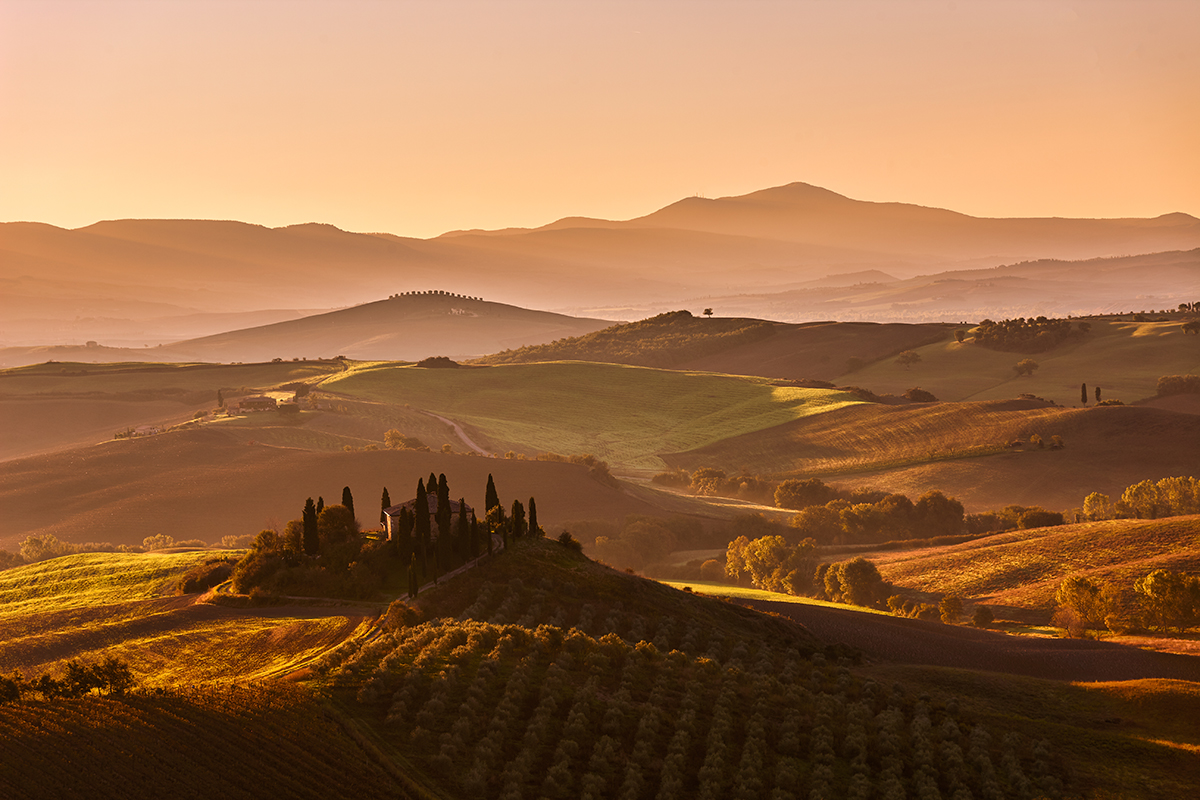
[767, 241]
[405, 327]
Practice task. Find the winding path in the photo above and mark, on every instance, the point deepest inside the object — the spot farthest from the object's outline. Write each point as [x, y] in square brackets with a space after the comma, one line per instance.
[461, 434]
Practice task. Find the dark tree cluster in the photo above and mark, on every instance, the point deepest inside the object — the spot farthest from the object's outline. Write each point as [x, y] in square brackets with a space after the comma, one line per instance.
[1021, 335]
[110, 676]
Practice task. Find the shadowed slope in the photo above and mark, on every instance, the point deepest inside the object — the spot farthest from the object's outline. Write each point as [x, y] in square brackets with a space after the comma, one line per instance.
[205, 484]
[887, 447]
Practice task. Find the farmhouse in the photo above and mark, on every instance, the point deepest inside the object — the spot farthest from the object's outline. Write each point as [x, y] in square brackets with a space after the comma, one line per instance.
[257, 404]
[391, 514]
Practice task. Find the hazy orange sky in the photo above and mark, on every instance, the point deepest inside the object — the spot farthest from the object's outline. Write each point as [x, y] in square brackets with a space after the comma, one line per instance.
[421, 117]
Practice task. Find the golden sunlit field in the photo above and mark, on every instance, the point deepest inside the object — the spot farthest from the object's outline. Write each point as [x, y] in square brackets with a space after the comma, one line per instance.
[1021, 570]
[92, 605]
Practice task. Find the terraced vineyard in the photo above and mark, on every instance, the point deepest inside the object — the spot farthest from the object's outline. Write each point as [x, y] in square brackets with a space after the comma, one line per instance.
[227, 742]
[544, 690]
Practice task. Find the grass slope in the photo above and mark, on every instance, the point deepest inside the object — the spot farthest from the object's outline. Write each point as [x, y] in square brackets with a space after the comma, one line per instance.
[1022, 569]
[1125, 359]
[55, 406]
[207, 484]
[959, 448]
[624, 415]
[817, 350]
[93, 605]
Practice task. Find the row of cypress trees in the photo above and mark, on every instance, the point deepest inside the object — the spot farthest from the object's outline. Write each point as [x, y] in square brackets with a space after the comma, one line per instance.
[457, 541]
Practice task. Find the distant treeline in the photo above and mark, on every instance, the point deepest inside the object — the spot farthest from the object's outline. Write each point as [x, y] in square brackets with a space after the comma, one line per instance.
[1021, 335]
[665, 340]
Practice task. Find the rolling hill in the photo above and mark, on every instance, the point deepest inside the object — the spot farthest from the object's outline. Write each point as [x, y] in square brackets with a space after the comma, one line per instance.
[679, 340]
[403, 327]
[208, 483]
[159, 271]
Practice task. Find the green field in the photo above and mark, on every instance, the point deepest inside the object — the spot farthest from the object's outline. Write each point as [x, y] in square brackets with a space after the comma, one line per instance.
[1125, 359]
[63, 378]
[624, 415]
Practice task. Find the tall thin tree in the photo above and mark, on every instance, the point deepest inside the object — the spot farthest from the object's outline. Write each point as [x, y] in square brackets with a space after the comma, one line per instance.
[1083, 395]
[385, 502]
[312, 542]
[534, 528]
[491, 499]
[421, 526]
[348, 500]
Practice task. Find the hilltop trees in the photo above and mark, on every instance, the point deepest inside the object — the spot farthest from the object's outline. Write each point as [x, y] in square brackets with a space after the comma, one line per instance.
[1026, 366]
[1034, 335]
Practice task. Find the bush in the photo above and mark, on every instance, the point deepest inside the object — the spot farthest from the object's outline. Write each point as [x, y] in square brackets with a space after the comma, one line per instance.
[950, 609]
[983, 617]
[918, 395]
[567, 540]
[400, 615]
[205, 576]
[1178, 384]
[1039, 518]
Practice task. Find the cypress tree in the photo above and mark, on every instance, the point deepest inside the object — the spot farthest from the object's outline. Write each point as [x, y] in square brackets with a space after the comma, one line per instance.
[486, 532]
[518, 519]
[220, 399]
[404, 547]
[443, 508]
[491, 499]
[309, 519]
[385, 503]
[1097, 394]
[1083, 397]
[320, 505]
[462, 537]
[348, 500]
[431, 484]
[421, 531]
[534, 528]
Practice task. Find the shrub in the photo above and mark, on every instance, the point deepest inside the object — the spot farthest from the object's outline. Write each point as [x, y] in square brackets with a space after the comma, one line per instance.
[918, 395]
[567, 540]
[983, 617]
[950, 609]
[205, 576]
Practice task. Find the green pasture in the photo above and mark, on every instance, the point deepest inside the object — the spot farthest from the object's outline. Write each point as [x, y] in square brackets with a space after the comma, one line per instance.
[60, 378]
[91, 579]
[625, 415]
[1125, 359]
[744, 593]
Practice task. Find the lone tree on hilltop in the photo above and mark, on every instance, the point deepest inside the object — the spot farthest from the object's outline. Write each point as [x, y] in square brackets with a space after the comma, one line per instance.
[1026, 366]
[908, 358]
[708, 312]
[1097, 394]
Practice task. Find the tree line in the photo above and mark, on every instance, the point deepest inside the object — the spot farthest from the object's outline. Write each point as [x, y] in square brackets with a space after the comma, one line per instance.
[110, 676]
[326, 552]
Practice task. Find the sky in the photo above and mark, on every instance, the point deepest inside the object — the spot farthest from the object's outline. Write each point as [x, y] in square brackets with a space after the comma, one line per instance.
[421, 117]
